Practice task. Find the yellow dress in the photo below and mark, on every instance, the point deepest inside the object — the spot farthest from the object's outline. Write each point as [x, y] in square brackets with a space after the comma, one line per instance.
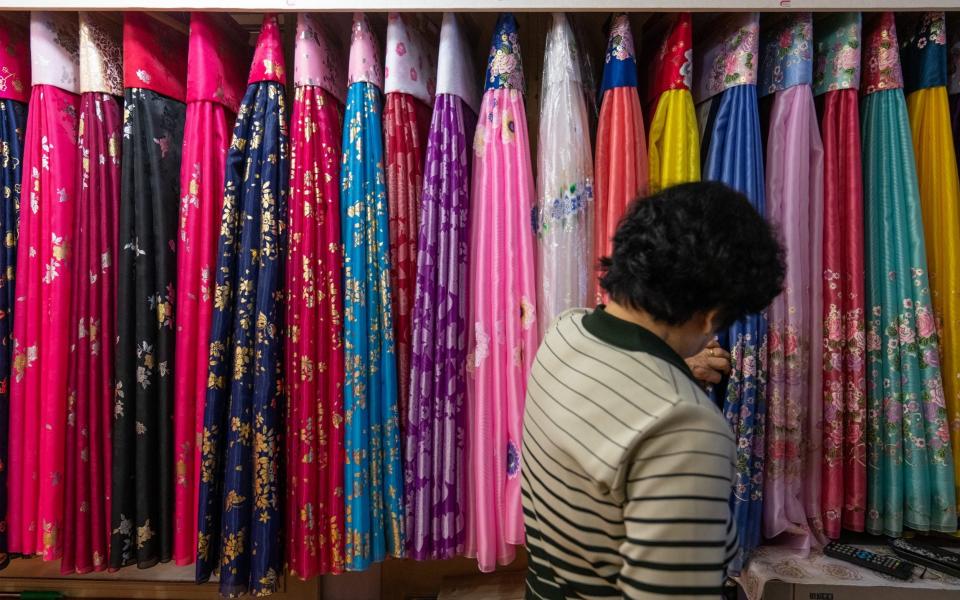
[674, 148]
[674, 142]
[929, 113]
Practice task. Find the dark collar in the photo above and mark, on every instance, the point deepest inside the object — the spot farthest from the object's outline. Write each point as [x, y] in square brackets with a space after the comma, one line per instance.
[632, 337]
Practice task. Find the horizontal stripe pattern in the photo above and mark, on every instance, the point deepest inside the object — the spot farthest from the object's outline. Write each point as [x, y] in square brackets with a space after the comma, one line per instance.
[627, 470]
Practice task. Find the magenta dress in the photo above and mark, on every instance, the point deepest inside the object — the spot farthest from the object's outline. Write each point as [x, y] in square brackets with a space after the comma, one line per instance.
[502, 324]
[93, 315]
[38, 390]
[215, 85]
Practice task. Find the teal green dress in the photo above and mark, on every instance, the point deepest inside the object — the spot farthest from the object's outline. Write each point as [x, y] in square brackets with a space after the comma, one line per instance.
[910, 467]
[373, 473]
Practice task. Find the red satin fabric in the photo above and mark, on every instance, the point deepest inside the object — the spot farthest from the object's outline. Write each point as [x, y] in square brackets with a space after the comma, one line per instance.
[92, 333]
[314, 340]
[844, 385]
[406, 123]
[620, 170]
[154, 56]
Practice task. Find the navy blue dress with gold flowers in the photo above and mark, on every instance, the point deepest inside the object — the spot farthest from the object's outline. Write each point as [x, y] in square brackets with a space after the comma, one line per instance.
[239, 505]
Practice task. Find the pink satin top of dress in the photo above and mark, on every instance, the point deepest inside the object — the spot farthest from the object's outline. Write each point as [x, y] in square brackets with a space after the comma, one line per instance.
[268, 63]
[365, 64]
[219, 56]
[318, 56]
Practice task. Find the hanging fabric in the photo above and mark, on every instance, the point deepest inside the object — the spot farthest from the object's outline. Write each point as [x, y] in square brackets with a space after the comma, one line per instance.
[836, 80]
[373, 476]
[93, 311]
[216, 59]
[14, 95]
[726, 64]
[794, 204]
[502, 326]
[38, 392]
[674, 145]
[240, 487]
[410, 78]
[434, 474]
[154, 73]
[563, 214]
[923, 50]
[588, 70]
[910, 481]
[953, 84]
[621, 160]
[314, 339]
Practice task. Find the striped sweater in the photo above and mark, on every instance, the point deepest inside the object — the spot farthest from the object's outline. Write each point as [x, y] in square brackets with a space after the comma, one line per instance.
[627, 468]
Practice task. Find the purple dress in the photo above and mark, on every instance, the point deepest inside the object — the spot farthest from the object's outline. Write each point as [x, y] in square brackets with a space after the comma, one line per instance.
[434, 448]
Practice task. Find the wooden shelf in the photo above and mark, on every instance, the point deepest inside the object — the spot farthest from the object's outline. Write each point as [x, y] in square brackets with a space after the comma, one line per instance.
[481, 5]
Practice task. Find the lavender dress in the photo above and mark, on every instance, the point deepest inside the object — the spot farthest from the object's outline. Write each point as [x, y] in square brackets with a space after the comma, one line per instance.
[433, 465]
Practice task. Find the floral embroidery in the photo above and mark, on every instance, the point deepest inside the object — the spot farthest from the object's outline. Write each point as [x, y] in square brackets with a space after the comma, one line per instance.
[504, 65]
[787, 52]
[923, 50]
[562, 210]
[481, 345]
[674, 57]
[837, 53]
[730, 57]
[882, 56]
[513, 459]
[620, 46]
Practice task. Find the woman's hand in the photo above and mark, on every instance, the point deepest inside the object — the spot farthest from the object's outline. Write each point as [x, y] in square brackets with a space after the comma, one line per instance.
[711, 364]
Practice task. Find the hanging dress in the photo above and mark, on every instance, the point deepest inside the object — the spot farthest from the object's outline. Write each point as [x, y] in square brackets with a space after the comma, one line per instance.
[410, 78]
[726, 90]
[239, 506]
[216, 60]
[909, 459]
[314, 309]
[674, 144]
[836, 80]
[14, 95]
[154, 74]
[794, 205]
[621, 164]
[923, 51]
[373, 478]
[434, 468]
[93, 312]
[502, 326]
[38, 391]
[563, 215]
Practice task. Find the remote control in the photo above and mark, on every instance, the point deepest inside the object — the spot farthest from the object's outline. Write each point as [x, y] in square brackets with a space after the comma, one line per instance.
[928, 556]
[887, 565]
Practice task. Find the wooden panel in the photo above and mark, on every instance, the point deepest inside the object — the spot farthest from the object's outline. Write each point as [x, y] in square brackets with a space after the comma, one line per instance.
[411, 580]
[161, 581]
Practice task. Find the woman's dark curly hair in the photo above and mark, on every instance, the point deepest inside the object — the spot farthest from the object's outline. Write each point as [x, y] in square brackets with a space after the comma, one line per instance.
[693, 248]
